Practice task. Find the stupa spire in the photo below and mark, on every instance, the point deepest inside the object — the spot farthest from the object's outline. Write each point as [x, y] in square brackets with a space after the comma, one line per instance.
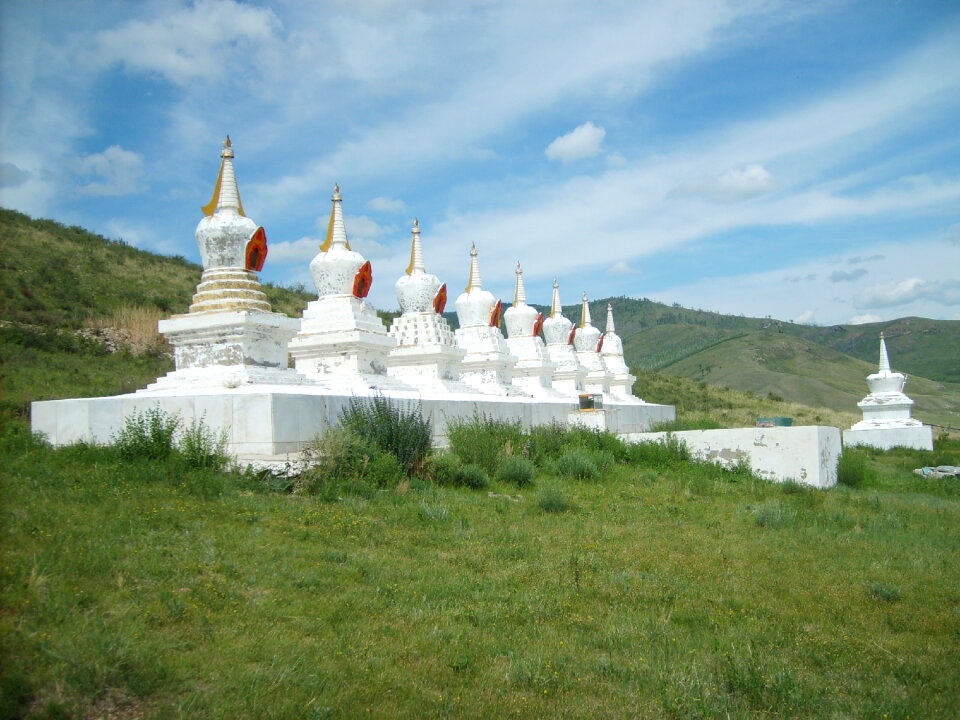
[226, 195]
[610, 326]
[336, 230]
[585, 312]
[519, 292]
[555, 308]
[416, 250]
[474, 282]
[884, 358]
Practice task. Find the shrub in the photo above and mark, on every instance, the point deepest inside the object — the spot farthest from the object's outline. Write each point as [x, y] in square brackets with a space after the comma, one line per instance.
[852, 469]
[577, 464]
[401, 432]
[149, 434]
[484, 441]
[545, 443]
[342, 463]
[474, 476]
[200, 447]
[552, 500]
[443, 468]
[668, 452]
[599, 441]
[516, 470]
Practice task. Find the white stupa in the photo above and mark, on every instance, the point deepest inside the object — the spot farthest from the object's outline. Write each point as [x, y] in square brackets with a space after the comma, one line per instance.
[427, 354]
[886, 413]
[587, 344]
[342, 341]
[229, 337]
[611, 353]
[558, 335]
[487, 363]
[533, 372]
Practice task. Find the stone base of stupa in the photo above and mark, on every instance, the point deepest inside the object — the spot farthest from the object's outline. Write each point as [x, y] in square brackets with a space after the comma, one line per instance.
[275, 423]
[885, 436]
[533, 371]
[487, 364]
[228, 349]
[426, 354]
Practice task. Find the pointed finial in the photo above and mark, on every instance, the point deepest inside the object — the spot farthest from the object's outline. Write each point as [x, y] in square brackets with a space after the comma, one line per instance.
[884, 359]
[555, 308]
[519, 292]
[226, 196]
[416, 253]
[610, 326]
[336, 230]
[585, 312]
[474, 281]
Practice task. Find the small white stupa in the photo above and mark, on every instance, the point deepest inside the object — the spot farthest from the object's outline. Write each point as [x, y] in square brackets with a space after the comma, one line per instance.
[487, 363]
[587, 344]
[558, 335]
[342, 341]
[611, 353]
[229, 337]
[427, 354]
[886, 413]
[533, 372]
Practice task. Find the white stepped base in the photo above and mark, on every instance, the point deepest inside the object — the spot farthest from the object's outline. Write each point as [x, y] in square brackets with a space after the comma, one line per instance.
[885, 437]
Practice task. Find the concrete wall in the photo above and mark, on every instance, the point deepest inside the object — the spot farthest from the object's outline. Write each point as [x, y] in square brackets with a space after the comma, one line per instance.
[805, 454]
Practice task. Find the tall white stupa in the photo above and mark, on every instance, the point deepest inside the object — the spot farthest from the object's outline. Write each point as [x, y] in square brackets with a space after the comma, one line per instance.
[533, 372]
[587, 344]
[611, 353]
[558, 335]
[886, 413]
[229, 337]
[487, 363]
[342, 341]
[427, 354]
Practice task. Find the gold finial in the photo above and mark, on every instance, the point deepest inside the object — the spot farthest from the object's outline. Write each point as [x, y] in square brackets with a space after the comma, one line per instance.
[336, 221]
[474, 280]
[416, 254]
[585, 312]
[226, 153]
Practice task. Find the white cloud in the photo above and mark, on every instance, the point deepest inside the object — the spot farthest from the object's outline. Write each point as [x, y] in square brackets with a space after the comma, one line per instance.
[908, 291]
[203, 41]
[864, 319]
[843, 276]
[621, 268]
[386, 204]
[13, 176]
[115, 171]
[807, 317]
[580, 143]
[738, 183]
[299, 252]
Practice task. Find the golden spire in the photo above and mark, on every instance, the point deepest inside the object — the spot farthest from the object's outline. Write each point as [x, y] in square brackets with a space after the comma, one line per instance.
[416, 252]
[555, 308]
[474, 281]
[610, 326]
[519, 292]
[585, 312]
[225, 193]
[336, 231]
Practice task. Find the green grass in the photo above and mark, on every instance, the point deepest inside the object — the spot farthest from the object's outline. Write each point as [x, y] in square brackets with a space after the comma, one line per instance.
[150, 589]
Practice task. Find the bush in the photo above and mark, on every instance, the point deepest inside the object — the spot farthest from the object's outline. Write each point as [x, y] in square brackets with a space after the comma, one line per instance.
[393, 429]
[598, 441]
[343, 463]
[516, 470]
[474, 476]
[443, 468]
[200, 447]
[577, 464]
[552, 500]
[852, 469]
[545, 443]
[669, 452]
[485, 441]
[149, 435]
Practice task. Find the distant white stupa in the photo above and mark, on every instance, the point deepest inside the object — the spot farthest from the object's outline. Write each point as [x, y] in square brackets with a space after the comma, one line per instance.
[886, 413]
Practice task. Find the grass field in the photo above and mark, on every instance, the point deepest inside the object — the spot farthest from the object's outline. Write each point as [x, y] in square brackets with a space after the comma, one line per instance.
[150, 590]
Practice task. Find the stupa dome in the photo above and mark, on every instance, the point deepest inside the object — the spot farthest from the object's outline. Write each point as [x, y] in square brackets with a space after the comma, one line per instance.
[475, 304]
[587, 337]
[224, 231]
[520, 317]
[556, 328]
[335, 267]
[885, 381]
[417, 289]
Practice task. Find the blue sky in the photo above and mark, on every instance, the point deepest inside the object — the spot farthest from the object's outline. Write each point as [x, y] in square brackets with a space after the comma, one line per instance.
[799, 160]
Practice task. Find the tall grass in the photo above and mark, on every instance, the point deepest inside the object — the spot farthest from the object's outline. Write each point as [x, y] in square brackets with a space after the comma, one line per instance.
[393, 428]
[485, 441]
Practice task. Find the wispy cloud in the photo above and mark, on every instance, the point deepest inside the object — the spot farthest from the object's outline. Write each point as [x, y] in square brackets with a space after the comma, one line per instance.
[580, 143]
[114, 171]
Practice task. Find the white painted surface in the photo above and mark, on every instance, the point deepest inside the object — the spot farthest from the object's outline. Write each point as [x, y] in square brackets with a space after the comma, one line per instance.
[919, 437]
[805, 454]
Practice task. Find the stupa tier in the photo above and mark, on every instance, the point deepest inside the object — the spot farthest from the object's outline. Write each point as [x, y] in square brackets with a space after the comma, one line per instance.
[887, 420]
[229, 337]
[233, 355]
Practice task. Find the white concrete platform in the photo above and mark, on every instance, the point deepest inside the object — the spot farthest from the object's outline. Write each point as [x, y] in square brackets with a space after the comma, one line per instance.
[279, 420]
[917, 437]
[805, 454]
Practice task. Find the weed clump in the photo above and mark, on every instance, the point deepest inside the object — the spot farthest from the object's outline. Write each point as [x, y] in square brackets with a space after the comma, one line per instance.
[852, 469]
[485, 441]
[443, 468]
[393, 429]
[668, 452]
[552, 500]
[578, 464]
[885, 592]
[158, 435]
[344, 463]
[516, 470]
[474, 476]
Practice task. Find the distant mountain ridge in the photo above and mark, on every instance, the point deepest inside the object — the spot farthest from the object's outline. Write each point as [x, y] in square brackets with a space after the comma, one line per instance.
[65, 276]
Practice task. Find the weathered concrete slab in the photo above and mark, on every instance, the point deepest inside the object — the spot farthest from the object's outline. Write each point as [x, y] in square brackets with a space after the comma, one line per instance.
[805, 454]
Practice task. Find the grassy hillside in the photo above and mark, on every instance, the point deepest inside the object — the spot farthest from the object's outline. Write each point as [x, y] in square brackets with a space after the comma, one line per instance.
[798, 370]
